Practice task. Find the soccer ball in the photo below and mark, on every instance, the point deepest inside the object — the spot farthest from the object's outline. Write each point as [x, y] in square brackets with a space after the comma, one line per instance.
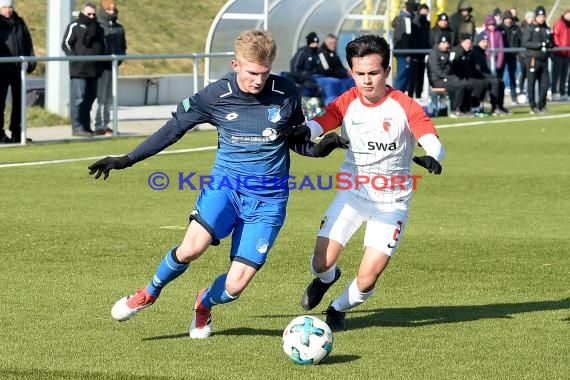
[307, 340]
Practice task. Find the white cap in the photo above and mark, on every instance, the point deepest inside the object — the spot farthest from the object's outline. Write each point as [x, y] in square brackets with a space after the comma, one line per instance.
[6, 3]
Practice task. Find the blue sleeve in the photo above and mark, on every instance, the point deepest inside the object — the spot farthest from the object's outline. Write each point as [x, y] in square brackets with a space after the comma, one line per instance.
[189, 113]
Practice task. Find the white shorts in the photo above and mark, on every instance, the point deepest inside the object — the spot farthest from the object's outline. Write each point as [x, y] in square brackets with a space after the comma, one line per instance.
[384, 226]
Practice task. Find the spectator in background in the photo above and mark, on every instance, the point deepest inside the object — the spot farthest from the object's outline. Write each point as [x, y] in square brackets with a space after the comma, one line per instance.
[495, 39]
[508, 30]
[115, 43]
[306, 65]
[537, 39]
[497, 16]
[442, 26]
[528, 20]
[462, 21]
[514, 13]
[418, 60]
[560, 59]
[403, 35]
[15, 40]
[440, 74]
[330, 64]
[482, 71]
[303, 66]
[463, 69]
[83, 36]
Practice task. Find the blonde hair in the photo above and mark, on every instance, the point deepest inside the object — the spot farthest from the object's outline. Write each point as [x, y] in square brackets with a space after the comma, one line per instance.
[255, 46]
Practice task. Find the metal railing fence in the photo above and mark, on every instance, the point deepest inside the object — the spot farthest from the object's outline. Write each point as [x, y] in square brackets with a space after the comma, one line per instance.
[195, 67]
[196, 57]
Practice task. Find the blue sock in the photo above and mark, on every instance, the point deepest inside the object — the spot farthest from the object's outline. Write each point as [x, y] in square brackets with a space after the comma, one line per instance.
[217, 294]
[168, 270]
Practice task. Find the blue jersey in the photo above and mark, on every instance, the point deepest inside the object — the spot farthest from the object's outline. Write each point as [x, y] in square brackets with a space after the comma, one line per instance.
[252, 147]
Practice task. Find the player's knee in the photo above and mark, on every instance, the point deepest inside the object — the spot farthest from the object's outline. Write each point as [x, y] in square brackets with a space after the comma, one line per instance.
[235, 288]
[188, 252]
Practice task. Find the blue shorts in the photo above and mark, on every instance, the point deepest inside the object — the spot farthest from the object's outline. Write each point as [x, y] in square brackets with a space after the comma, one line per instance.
[254, 224]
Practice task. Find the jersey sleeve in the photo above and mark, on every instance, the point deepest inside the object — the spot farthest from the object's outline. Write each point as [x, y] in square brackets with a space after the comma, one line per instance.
[189, 113]
[419, 122]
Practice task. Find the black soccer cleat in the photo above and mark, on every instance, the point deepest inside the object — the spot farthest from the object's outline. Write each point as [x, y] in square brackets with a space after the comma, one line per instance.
[335, 318]
[316, 290]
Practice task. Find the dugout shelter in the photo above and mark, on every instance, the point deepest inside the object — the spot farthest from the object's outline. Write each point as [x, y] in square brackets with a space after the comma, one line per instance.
[290, 21]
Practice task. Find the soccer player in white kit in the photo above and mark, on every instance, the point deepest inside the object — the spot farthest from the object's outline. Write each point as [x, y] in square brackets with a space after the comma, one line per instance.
[383, 126]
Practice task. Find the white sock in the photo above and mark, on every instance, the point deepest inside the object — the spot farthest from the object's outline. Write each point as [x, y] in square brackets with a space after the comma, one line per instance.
[350, 297]
[327, 276]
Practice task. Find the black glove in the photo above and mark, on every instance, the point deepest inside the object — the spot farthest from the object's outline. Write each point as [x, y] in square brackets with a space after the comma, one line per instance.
[298, 134]
[329, 143]
[31, 66]
[105, 165]
[429, 163]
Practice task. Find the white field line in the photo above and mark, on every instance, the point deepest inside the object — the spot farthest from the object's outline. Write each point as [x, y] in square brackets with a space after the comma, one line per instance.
[68, 160]
[502, 121]
[178, 151]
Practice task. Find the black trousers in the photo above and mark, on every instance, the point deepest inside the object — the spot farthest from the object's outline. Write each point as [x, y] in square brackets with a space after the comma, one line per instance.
[459, 92]
[416, 80]
[560, 74]
[537, 70]
[511, 67]
[10, 78]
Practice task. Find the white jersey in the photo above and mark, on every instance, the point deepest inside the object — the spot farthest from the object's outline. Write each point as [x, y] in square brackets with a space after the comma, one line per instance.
[382, 138]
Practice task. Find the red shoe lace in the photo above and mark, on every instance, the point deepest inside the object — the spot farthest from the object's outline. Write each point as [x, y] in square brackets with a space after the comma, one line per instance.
[140, 298]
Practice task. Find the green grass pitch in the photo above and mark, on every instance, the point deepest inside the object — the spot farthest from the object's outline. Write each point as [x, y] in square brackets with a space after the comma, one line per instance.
[479, 288]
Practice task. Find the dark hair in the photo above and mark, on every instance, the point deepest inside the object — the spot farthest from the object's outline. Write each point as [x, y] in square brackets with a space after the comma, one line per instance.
[366, 45]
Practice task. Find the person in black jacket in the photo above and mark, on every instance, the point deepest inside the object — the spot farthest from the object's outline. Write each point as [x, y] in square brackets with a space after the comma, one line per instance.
[83, 36]
[306, 68]
[441, 27]
[115, 43]
[403, 36]
[420, 40]
[440, 74]
[330, 64]
[537, 39]
[15, 40]
[481, 70]
[511, 39]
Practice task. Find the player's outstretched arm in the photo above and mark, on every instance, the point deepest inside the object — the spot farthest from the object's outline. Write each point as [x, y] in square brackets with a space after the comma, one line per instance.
[105, 165]
[330, 142]
[429, 163]
[434, 153]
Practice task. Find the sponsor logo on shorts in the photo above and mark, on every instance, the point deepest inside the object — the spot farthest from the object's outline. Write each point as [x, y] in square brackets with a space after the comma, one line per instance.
[262, 246]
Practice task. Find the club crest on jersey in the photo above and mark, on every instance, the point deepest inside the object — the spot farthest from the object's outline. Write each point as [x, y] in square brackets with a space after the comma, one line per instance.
[387, 125]
[274, 114]
[262, 246]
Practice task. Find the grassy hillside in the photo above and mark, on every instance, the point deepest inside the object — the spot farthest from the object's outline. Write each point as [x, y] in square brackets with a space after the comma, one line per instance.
[175, 26]
[152, 27]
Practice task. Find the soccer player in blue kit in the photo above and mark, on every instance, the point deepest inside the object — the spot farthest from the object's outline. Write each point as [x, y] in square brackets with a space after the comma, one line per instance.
[259, 118]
